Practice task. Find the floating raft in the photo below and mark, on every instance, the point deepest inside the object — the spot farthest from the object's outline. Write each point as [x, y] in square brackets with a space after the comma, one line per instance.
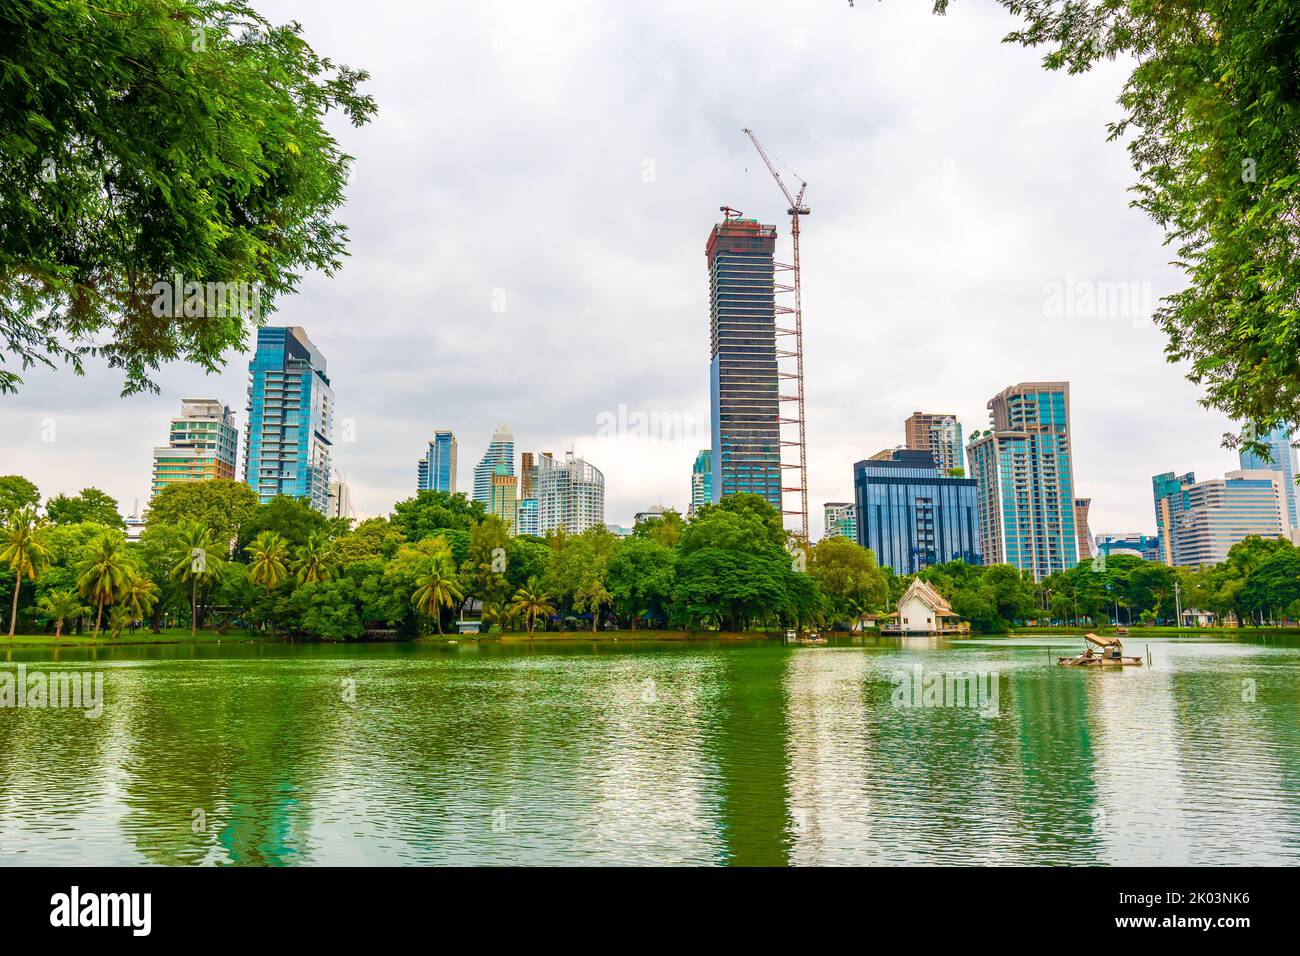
[1109, 653]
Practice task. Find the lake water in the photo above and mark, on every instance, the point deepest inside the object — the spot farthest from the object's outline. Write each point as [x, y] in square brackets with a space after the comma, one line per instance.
[658, 753]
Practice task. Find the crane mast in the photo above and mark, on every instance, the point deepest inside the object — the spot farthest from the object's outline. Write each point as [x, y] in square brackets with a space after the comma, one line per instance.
[795, 210]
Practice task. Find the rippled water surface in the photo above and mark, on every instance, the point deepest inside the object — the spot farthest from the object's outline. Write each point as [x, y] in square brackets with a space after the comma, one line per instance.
[656, 753]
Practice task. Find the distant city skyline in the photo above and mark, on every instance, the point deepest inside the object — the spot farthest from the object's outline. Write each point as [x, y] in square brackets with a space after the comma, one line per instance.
[906, 306]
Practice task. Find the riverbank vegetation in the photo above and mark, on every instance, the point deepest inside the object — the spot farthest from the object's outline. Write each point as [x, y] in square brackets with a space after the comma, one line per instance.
[211, 556]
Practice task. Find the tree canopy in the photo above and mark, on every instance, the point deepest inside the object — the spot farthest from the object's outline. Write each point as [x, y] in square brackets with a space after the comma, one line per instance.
[159, 144]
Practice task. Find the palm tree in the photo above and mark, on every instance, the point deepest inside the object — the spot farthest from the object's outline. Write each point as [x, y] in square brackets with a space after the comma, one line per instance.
[436, 588]
[61, 607]
[140, 596]
[531, 601]
[267, 568]
[197, 564]
[21, 549]
[118, 618]
[102, 574]
[315, 559]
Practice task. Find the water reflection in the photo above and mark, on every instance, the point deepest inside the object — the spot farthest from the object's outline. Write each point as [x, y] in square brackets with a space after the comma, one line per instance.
[643, 753]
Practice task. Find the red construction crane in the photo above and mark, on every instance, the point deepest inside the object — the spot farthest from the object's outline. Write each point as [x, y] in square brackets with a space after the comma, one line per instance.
[795, 210]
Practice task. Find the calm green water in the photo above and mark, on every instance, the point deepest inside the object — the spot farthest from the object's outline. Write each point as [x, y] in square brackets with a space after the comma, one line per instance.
[666, 753]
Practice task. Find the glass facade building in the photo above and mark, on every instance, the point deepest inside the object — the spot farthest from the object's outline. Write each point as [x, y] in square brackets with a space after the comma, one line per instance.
[1025, 470]
[287, 440]
[1163, 488]
[702, 479]
[911, 516]
[1281, 458]
[500, 451]
[436, 471]
[1206, 518]
[744, 410]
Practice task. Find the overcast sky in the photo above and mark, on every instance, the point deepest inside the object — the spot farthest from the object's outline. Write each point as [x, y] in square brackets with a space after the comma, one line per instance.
[528, 220]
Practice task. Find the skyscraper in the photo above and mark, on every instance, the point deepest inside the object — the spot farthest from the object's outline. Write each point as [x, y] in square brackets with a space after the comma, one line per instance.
[201, 445]
[701, 480]
[528, 518]
[1282, 458]
[841, 520]
[912, 515]
[528, 475]
[436, 471]
[570, 495]
[1025, 470]
[939, 434]
[287, 439]
[1163, 488]
[1208, 517]
[503, 500]
[340, 500]
[746, 453]
[500, 451]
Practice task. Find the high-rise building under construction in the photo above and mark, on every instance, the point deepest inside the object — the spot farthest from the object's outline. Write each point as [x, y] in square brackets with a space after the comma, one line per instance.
[746, 453]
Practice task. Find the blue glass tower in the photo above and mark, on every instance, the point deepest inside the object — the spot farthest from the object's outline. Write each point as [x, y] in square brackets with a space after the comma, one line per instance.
[1282, 457]
[287, 440]
[911, 516]
[746, 453]
[437, 469]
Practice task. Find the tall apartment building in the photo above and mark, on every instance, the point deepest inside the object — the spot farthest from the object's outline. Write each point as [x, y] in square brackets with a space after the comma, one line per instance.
[939, 434]
[201, 445]
[500, 451]
[503, 498]
[287, 440]
[528, 475]
[912, 515]
[528, 517]
[1281, 458]
[1025, 470]
[436, 471]
[1206, 518]
[743, 376]
[570, 495]
[841, 520]
[701, 480]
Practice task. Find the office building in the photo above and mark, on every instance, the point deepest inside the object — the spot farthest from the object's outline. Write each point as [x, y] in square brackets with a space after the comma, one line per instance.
[201, 445]
[288, 435]
[500, 451]
[701, 480]
[436, 471]
[940, 435]
[743, 377]
[1281, 458]
[1206, 518]
[528, 475]
[570, 495]
[1025, 470]
[841, 520]
[503, 498]
[912, 516]
[1163, 488]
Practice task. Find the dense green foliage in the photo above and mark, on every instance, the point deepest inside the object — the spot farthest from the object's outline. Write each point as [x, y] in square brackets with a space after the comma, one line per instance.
[145, 139]
[1213, 106]
[212, 556]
